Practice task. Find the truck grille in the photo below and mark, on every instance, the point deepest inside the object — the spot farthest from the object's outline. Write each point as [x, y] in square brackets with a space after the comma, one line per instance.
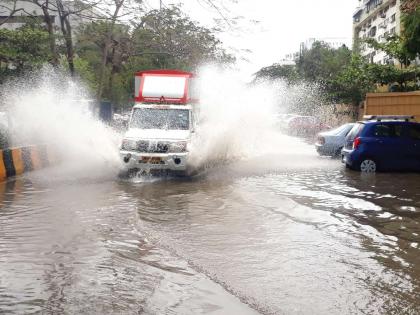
[145, 146]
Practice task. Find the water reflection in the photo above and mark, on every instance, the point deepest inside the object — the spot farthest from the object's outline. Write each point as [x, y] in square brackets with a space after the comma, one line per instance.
[71, 248]
[310, 241]
[348, 241]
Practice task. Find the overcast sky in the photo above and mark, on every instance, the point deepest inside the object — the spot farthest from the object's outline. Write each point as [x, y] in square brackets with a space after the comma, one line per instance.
[280, 25]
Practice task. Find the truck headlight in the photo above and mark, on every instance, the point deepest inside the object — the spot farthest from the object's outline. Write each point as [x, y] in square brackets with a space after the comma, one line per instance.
[128, 144]
[178, 147]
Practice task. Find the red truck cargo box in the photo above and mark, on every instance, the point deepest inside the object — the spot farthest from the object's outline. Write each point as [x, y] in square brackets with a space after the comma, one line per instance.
[163, 86]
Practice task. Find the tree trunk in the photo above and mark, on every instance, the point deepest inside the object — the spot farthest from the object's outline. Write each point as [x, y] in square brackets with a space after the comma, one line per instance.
[50, 28]
[66, 30]
[112, 75]
[107, 46]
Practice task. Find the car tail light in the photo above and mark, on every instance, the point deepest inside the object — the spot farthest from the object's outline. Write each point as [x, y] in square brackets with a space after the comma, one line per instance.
[321, 140]
[357, 141]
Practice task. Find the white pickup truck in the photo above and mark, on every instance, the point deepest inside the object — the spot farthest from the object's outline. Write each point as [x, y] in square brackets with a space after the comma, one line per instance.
[161, 123]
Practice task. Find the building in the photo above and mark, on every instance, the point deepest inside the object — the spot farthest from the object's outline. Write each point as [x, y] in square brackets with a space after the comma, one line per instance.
[376, 19]
[333, 42]
[14, 14]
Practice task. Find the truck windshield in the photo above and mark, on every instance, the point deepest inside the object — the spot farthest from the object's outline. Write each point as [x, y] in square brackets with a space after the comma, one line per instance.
[157, 118]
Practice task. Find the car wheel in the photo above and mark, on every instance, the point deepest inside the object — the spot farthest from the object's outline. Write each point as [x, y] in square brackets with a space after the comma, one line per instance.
[368, 166]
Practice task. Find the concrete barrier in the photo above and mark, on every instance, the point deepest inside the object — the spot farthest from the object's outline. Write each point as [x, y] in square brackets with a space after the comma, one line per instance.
[15, 161]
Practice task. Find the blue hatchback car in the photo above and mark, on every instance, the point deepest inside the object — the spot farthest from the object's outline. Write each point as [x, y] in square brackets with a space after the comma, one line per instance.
[383, 143]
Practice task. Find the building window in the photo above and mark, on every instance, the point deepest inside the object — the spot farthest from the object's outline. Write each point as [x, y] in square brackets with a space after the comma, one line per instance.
[393, 18]
[392, 31]
[372, 31]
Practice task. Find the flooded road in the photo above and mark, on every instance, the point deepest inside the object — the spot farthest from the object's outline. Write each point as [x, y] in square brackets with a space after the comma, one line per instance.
[279, 238]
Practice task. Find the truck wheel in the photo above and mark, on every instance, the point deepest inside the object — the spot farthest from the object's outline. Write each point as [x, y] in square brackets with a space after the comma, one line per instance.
[368, 166]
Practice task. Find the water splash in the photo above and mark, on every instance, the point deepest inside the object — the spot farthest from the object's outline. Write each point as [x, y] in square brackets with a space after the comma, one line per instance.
[49, 107]
[239, 121]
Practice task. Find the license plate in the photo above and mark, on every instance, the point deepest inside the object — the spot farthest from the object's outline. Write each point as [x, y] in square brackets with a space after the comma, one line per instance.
[151, 160]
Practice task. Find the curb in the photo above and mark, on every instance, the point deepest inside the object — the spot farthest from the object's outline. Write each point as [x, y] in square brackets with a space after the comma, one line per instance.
[16, 161]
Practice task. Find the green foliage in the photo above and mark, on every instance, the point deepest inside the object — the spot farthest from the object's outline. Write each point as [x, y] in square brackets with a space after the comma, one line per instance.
[23, 48]
[322, 62]
[161, 39]
[276, 71]
[353, 82]
[345, 77]
[84, 71]
[394, 47]
[176, 41]
[411, 32]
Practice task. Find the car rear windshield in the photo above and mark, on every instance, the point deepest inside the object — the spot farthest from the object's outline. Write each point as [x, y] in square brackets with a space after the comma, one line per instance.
[344, 129]
[355, 131]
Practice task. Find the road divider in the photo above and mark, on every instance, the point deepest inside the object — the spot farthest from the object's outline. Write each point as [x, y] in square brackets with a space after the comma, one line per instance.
[15, 161]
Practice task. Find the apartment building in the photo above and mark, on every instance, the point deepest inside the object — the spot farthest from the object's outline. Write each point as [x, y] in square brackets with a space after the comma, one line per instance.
[375, 19]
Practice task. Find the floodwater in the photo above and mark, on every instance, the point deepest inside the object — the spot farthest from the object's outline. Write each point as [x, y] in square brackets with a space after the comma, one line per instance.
[252, 237]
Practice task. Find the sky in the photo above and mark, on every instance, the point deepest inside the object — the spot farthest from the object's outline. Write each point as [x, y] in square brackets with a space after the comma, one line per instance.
[267, 30]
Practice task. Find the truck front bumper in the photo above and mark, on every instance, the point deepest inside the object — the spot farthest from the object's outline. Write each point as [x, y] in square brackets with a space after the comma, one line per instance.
[154, 161]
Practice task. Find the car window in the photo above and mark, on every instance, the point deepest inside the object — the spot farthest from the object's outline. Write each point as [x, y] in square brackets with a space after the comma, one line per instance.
[414, 132]
[382, 130]
[355, 131]
[343, 129]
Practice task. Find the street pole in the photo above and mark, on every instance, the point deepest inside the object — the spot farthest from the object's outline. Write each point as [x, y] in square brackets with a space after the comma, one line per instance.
[160, 5]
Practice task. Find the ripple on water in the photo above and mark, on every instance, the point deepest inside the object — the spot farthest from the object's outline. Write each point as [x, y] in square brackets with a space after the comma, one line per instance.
[77, 249]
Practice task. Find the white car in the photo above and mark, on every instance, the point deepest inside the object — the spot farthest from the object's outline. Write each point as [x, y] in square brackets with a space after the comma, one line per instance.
[158, 138]
[331, 142]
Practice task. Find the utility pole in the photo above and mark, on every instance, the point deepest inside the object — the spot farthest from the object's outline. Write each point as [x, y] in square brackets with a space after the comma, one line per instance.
[160, 5]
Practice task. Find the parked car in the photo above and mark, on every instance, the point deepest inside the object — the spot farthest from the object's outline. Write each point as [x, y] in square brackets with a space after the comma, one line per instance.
[331, 142]
[305, 126]
[384, 143]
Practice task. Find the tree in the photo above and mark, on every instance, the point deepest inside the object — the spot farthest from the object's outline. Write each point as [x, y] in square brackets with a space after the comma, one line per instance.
[321, 62]
[23, 49]
[411, 27]
[288, 73]
[177, 40]
[90, 45]
[10, 9]
[319, 65]
[46, 7]
[160, 39]
[353, 82]
[394, 47]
